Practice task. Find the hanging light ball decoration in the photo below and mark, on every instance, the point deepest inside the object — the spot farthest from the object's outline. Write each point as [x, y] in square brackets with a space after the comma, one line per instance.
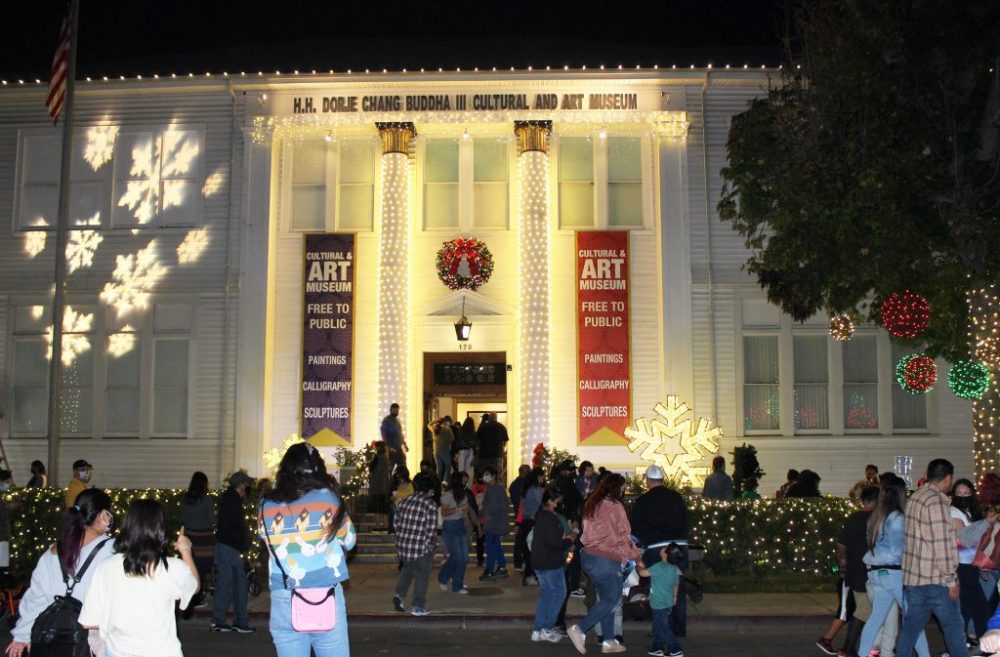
[916, 373]
[841, 328]
[969, 379]
[905, 315]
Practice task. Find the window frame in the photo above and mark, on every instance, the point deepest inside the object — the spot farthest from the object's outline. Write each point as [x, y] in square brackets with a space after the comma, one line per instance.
[785, 329]
[601, 183]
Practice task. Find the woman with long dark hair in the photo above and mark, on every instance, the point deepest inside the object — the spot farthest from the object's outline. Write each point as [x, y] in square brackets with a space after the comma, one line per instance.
[308, 533]
[131, 602]
[883, 559]
[607, 546]
[531, 500]
[83, 531]
[455, 534]
[198, 520]
[965, 511]
[38, 477]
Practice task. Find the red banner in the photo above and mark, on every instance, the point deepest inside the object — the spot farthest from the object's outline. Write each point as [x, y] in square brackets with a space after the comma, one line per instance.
[604, 366]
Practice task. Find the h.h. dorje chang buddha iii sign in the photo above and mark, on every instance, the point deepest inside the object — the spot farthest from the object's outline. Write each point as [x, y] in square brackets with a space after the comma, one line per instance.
[479, 102]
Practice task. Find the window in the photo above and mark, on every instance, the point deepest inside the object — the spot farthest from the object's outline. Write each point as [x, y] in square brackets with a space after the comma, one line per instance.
[158, 174]
[78, 371]
[860, 357]
[601, 182]
[90, 178]
[809, 360]
[170, 386]
[793, 374]
[465, 183]
[345, 166]
[123, 389]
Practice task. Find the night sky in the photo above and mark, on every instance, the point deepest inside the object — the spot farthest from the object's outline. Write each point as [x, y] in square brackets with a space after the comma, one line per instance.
[140, 37]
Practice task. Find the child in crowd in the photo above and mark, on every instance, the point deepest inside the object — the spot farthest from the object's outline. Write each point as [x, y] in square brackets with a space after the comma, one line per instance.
[586, 480]
[664, 583]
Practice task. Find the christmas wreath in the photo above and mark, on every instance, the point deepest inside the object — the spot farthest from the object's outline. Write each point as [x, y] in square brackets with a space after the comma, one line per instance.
[478, 263]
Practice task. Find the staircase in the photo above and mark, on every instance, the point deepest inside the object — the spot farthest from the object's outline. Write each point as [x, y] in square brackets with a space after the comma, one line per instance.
[380, 547]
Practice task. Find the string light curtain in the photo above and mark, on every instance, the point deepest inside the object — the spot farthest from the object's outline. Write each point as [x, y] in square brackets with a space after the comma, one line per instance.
[393, 325]
[533, 176]
[984, 336]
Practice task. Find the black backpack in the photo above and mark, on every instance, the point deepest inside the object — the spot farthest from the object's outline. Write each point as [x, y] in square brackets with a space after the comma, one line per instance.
[57, 632]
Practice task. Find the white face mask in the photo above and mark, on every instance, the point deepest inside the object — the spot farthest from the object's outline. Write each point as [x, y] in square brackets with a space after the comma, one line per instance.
[83, 475]
[487, 479]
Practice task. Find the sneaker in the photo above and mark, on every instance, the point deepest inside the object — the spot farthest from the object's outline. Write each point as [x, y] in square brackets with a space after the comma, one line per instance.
[561, 631]
[826, 645]
[220, 627]
[675, 653]
[655, 653]
[488, 576]
[397, 604]
[620, 639]
[612, 647]
[244, 629]
[578, 638]
[443, 585]
[200, 605]
[463, 591]
[530, 580]
[536, 635]
[579, 593]
[518, 569]
[419, 611]
[551, 636]
[500, 572]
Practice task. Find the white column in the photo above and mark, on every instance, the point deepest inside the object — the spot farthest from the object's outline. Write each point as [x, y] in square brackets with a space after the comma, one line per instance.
[393, 283]
[533, 176]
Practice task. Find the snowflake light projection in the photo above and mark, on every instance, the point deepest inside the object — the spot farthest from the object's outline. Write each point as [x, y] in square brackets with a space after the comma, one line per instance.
[194, 244]
[80, 249]
[167, 159]
[34, 242]
[675, 445]
[213, 183]
[134, 276]
[100, 145]
[73, 343]
[121, 343]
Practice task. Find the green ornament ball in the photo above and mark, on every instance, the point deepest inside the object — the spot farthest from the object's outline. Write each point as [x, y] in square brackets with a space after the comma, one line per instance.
[969, 379]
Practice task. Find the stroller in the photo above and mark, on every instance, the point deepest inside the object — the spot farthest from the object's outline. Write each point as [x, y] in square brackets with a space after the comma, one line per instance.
[635, 594]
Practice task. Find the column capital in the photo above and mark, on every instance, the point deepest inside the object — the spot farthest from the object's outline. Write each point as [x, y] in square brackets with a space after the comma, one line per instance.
[532, 136]
[396, 136]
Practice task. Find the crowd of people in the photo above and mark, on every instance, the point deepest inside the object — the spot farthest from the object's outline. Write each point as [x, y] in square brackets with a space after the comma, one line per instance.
[903, 560]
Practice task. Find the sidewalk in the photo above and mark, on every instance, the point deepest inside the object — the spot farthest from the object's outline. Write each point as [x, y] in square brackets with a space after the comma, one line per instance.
[369, 597]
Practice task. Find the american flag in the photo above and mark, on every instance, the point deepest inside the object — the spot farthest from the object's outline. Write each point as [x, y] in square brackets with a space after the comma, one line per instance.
[60, 67]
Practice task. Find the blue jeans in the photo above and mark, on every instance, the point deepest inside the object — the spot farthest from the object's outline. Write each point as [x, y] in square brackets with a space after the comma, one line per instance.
[663, 636]
[606, 575]
[887, 591]
[443, 465]
[551, 593]
[230, 586]
[456, 541]
[921, 602]
[289, 643]
[494, 553]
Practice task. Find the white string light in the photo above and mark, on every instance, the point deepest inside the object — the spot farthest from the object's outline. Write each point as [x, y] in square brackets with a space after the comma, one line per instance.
[984, 337]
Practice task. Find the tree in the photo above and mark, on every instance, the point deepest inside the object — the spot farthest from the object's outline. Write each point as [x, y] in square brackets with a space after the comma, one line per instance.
[871, 167]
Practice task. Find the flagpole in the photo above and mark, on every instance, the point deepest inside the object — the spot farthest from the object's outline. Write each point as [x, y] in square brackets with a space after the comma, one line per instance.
[62, 228]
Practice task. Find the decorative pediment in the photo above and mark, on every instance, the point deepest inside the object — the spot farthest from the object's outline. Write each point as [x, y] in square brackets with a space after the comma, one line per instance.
[476, 305]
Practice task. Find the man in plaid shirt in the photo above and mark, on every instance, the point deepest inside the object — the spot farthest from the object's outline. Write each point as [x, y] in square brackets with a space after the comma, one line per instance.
[416, 522]
[930, 561]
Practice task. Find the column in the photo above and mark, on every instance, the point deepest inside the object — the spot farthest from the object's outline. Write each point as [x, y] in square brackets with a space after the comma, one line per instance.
[393, 276]
[533, 338]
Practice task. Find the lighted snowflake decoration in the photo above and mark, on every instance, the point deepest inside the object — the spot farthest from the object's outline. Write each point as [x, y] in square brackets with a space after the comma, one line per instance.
[80, 249]
[675, 444]
[73, 343]
[120, 344]
[194, 244]
[34, 242]
[273, 456]
[100, 146]
[134, 277]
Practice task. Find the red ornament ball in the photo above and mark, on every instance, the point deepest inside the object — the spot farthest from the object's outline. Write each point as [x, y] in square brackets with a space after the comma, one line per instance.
[905, 315]
[916, 373]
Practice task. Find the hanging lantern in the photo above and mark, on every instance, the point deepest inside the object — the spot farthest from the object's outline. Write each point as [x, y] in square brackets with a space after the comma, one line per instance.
[916, 373]
[905, 315]
[969, 379]
[841, 327]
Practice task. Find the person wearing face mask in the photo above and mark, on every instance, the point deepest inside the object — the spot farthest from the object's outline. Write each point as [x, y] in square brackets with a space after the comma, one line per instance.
[965, 511]
[443, 439]
[84, 532]
[81, 475]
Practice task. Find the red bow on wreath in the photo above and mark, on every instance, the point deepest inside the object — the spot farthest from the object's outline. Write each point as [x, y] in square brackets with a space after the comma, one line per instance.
[464, 248]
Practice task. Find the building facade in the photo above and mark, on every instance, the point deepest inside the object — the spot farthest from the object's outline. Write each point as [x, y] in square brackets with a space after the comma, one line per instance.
[254, 256]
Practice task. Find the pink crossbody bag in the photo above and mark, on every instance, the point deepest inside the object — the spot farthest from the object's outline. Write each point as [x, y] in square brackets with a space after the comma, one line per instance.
[313, 609]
